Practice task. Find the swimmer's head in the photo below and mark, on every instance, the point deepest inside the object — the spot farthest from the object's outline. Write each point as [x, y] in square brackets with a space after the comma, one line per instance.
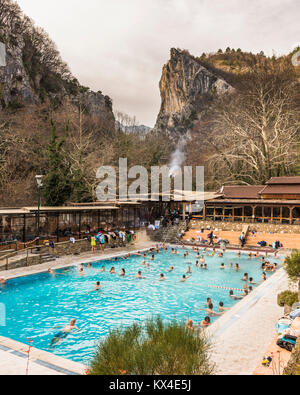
[207, 319]
[221, 304]
[72, 322]
[210, 306]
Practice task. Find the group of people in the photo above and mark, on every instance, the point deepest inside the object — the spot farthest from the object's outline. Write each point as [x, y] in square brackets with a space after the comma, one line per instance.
[150, 255]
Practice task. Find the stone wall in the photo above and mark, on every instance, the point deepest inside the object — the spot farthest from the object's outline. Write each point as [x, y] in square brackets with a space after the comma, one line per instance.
[15, 262]
[237, 226]
[68, 248]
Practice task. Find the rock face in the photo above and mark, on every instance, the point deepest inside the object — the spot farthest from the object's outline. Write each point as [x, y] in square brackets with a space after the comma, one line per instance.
[14, 80]
[24, 84]
[184, 81]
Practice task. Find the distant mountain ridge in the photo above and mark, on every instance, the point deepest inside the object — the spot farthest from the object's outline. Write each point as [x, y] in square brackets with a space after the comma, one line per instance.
[189, 85]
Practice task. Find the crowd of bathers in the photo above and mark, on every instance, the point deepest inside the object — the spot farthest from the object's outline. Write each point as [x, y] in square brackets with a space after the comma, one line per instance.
[201, 253]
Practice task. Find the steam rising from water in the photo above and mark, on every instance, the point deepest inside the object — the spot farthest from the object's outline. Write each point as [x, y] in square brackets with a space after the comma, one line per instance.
[177, 158]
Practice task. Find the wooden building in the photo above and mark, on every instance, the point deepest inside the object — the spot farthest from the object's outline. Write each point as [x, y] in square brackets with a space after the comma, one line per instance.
[276, 202]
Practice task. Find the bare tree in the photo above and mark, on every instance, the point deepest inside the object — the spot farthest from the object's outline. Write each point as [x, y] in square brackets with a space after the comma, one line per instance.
[256, 130]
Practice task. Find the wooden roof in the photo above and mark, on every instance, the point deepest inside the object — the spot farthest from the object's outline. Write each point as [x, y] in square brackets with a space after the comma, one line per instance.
[284, 181]
[241, 191]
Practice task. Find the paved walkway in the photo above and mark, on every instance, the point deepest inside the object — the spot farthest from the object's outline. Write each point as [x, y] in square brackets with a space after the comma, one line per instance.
[289, 240]
[241, 337]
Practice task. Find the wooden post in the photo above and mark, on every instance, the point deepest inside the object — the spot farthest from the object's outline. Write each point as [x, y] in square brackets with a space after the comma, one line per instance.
[204, 211]
[223, 214]
[253, 213]
[24, 228]
[291, 214]
[243, 214]
[263, 214]
[57, 226]
[233, 214]
[272, 214]
[281, 214]
[79, 225]
[27, 257]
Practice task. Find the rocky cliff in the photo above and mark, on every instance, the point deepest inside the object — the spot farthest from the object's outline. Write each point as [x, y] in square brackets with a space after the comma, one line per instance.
[35, 74]
[184, 84]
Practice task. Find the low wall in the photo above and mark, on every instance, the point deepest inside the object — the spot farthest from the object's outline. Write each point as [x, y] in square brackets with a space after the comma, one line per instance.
[237, 226]
[68, 248]
[62, 249]
[15, 263]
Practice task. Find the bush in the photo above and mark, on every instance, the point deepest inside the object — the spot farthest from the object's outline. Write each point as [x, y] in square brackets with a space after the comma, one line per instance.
[292, 267]
[152, 348]
[287, 297]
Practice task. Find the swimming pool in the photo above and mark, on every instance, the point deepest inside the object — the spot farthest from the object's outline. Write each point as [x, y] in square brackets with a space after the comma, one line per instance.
[36, 303]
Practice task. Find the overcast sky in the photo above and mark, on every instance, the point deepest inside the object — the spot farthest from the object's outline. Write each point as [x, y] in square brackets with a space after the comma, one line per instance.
[120, 46]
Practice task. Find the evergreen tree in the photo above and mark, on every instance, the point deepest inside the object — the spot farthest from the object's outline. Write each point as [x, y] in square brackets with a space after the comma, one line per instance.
[57, 182]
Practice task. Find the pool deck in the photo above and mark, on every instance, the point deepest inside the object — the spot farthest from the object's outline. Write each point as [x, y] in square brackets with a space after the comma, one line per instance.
[240, 337]
[13, 354]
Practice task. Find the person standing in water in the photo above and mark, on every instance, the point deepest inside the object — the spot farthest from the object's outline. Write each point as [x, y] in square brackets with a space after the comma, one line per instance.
[64, 333]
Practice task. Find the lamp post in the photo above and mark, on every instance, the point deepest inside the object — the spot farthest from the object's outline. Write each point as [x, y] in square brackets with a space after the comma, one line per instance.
[39, 184]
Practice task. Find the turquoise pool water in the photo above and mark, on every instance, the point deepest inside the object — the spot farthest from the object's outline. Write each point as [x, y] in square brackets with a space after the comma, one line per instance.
[35, 304]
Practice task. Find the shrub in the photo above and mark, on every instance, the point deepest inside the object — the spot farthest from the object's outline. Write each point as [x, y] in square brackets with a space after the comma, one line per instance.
[292, 267]
[287, 297]
[152, 348]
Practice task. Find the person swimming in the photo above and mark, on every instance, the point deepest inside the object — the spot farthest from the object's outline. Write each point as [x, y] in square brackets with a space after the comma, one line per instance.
[112, 270]
[205, 323]
[123, 273]
[64, 333]
[162, 277]
[222, 266]
[81, 272]
[208, 301]
[98, 286]
[189, 271]
[245, 278]
[184, 278]
[251, 281]
[235, 297]
[210, 310]
[139, 276]
[222, 309]
[237, 267]
[264, 277]
[171, 268]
